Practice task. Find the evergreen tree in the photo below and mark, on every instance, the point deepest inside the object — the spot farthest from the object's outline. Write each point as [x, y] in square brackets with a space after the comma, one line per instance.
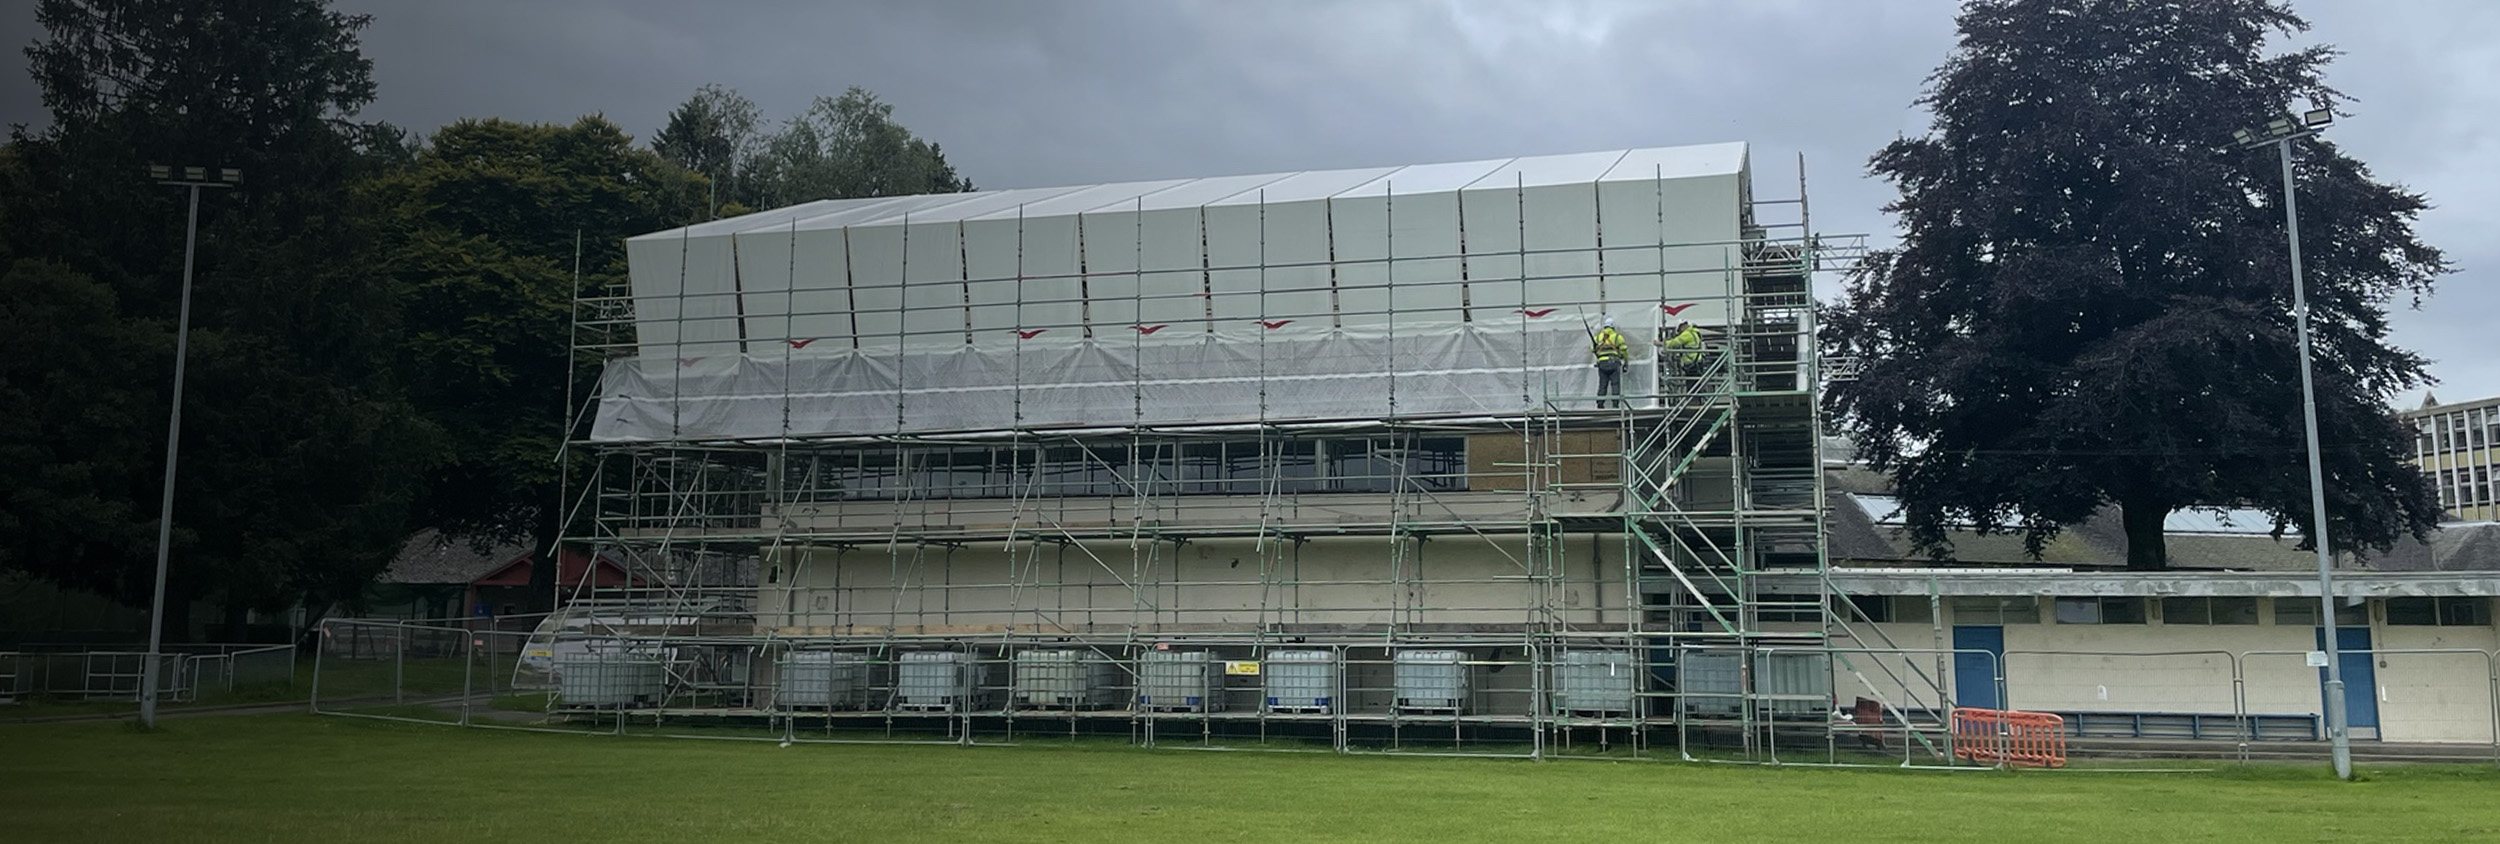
[483, 233]
[298, 453]
[847, 147]
[714, 133]
[2091, 300]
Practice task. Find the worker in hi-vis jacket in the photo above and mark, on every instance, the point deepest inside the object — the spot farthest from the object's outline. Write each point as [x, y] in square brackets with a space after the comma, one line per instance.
[1679, 351]
[1611, 350]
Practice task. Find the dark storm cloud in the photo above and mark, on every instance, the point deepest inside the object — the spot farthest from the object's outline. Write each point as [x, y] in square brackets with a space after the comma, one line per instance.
[1039, 93]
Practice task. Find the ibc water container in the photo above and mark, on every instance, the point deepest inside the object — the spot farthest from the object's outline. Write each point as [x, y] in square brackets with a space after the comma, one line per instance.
[1300, 680]
[608, 679]
[1595, 681]
[1069, 678]
[1432, 681]
[822, 680]
[942, 681]
[1179, 680]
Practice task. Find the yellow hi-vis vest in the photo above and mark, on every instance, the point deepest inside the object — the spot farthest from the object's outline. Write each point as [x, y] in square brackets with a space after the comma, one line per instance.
[1610, 345]
[1689, 339]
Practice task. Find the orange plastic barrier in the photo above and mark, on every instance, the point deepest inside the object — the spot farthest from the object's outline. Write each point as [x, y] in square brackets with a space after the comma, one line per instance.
[2002, 736]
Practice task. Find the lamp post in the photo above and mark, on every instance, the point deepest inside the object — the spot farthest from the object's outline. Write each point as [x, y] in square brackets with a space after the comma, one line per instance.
[2280, 133]
[194, 178]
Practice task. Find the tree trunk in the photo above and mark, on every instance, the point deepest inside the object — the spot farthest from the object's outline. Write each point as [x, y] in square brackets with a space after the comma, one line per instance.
[2142, 517]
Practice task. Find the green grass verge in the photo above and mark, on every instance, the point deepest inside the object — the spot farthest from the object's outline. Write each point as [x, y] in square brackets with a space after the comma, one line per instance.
[315, 779]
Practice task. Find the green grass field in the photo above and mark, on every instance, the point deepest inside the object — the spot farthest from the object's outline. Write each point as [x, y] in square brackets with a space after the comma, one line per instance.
[317, 779]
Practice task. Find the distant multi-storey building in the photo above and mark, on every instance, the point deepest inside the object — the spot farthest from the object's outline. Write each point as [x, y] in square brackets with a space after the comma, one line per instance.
[2456, 445]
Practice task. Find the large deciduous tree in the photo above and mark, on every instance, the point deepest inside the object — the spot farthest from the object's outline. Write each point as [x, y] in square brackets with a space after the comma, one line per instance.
[298, 453]
[839, 148]
[846, 147]
[486, 231]
[2091, 301]
[714, 133]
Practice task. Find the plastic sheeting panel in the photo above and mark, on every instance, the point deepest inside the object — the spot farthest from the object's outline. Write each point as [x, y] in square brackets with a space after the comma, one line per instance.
[1284, 375]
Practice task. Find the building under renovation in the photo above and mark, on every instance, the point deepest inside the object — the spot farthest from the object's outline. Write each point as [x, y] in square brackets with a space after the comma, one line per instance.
[1319, 444]
[1316, 455]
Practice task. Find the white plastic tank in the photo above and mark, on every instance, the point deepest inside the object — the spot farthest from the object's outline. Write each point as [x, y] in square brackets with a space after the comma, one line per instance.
[1595, 682]
[822, 680]
[1303, 681]
[1711, 683]
[1432, 681]
[1179, 681]
[942, 681]
[608, 679]
[1065, 678]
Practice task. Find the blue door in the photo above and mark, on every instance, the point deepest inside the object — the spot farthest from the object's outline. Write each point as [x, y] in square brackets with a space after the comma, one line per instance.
[2360, 677]
[1975, 674]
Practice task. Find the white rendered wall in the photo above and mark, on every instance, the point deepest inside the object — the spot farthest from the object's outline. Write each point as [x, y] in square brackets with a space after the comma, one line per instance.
[2186, 668]
[1202, 586]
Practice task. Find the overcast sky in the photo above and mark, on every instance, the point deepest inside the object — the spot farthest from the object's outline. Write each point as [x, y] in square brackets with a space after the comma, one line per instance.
[1026, 94]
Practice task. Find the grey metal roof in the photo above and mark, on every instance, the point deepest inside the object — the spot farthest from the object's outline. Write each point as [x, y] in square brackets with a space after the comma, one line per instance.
[1862, 535]
[429, 557]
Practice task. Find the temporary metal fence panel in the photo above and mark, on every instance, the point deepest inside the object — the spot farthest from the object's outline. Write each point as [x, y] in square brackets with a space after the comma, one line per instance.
[273, 665]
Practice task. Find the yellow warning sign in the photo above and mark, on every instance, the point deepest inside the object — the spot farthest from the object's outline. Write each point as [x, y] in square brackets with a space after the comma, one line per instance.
[1242, 666]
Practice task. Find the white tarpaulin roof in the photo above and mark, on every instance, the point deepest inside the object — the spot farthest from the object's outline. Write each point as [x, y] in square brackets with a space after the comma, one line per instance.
[874, 300]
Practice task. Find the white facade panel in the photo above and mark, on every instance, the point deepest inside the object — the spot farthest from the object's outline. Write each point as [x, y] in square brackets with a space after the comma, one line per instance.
[1405, 259]
[1424, 243]
[1235, 248]
[765, 259]
[820, 301]
[1111, 247]
[993, 259]
[933, 284]
[1496, 289]
[1298, 278]
[1052, 297]
[877, 285]
[1174, 278]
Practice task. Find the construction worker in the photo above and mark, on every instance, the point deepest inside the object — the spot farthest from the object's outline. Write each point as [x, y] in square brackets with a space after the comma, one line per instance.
[1611, 350]
[1681, 350]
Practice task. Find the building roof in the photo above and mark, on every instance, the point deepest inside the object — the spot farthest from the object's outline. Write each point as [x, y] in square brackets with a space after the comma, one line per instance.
[1624, 165]
[1866, 529]
[431, 558]
[2432, 407]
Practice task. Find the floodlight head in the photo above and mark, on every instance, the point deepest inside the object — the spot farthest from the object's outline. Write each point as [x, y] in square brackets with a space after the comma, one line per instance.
[2279, 126]
[2317, 117]
[159, 171]
[2243, 137]
[230, 176]
[196, 174]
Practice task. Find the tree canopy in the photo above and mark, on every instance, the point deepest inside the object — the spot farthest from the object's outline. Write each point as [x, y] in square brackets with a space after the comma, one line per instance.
[484, 233]
[297, 449]
[839, 148]
[2091, 302]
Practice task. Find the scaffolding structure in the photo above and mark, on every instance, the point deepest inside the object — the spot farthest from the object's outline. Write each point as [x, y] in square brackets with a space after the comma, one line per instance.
[1583, 574]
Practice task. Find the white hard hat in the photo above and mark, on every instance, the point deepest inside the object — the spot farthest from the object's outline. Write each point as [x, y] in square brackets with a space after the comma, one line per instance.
[1610, 321]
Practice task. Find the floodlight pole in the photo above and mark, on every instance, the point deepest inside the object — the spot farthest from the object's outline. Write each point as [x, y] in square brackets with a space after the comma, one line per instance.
[149, 678]
[2338, 725]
